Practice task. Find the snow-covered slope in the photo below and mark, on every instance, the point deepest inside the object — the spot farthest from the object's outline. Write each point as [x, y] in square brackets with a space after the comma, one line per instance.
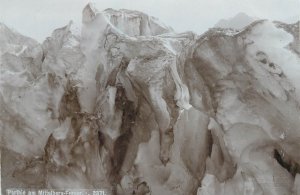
[131, 106]
[13, 42]
[239, 21]
[132, 23]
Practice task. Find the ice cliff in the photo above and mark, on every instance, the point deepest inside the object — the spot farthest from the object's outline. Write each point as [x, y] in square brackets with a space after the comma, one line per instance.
[131, 106]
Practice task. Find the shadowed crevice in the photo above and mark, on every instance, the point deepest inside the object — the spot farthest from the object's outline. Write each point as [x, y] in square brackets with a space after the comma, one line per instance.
[292, 167]
[121, 144]
[69, 104]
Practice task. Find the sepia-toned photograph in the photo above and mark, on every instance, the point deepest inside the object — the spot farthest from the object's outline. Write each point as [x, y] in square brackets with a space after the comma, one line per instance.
[150, 97]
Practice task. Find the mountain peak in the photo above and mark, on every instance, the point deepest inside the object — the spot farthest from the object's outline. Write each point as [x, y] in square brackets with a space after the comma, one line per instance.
[238, 21]
[129, 22]
[135, 23]
[89, 12]
[11, 41]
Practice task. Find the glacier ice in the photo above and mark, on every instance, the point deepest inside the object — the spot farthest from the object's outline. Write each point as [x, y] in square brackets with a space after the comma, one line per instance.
[130, 105]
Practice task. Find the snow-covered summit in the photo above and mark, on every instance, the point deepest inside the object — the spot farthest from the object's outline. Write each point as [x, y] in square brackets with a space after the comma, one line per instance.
[89, 12]
[132, 23]
[136, 23]
[239, 21]
[13, 42]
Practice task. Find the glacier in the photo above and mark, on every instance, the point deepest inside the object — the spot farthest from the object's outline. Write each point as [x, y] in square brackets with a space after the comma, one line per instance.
[129, 105]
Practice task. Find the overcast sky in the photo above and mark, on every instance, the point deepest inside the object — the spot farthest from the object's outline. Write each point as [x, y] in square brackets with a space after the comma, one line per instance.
[38, 18]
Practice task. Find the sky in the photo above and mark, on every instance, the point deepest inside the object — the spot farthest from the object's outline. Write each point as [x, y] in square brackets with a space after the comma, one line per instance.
[38, 18]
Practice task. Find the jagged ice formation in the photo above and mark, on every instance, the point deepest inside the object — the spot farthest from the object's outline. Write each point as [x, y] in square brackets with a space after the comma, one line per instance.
[130, 105]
